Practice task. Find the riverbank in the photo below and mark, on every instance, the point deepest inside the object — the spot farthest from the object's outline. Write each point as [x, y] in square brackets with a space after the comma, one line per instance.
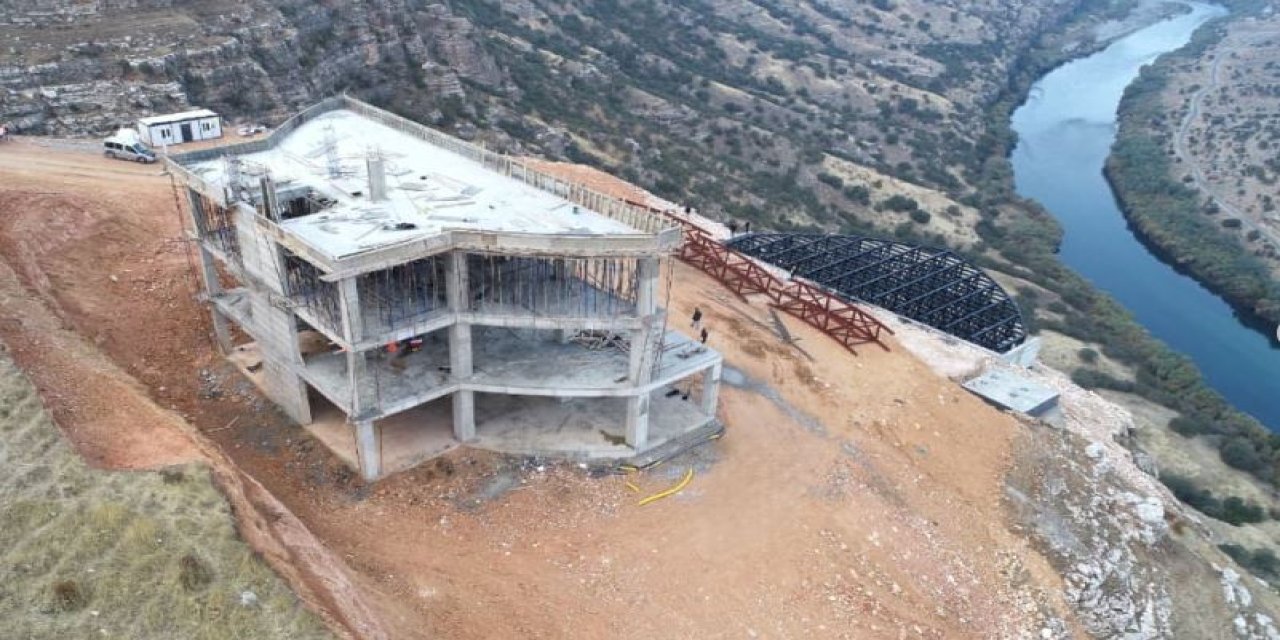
[1085, 314]
[1171, 208]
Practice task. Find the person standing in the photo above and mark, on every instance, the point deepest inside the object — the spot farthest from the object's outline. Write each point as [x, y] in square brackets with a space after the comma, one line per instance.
[697, 318]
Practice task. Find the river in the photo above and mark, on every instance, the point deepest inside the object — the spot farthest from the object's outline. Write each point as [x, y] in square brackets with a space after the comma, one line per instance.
[1065, 131]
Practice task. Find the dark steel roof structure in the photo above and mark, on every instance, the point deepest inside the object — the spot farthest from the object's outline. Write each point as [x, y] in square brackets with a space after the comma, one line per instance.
[931, 286]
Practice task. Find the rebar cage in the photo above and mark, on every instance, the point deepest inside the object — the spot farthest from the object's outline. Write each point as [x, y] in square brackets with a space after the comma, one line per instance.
[217, 225]
[306, 289]
[405, 293]
[553, 286]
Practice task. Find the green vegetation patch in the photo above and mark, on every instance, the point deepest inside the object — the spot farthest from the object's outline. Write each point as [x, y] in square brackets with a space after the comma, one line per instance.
[101, 554]
[1233, 510]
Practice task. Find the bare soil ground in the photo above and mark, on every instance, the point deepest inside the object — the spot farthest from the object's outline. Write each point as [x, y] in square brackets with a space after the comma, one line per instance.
[853, 496]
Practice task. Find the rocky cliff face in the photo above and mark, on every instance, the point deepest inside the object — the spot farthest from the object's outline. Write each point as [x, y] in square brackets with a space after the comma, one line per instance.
[756, 94]
[72, 68]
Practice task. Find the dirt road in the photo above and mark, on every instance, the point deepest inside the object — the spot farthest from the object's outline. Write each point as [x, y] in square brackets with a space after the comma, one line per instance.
[853, 496]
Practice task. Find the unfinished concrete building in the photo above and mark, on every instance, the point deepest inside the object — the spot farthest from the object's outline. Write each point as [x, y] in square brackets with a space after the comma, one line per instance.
[413, 281]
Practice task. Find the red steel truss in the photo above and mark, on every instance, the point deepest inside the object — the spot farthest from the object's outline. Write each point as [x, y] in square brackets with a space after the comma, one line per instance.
[844, 322]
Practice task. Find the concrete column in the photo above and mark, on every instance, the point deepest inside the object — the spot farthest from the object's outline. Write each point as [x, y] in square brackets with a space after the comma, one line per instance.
[460, 366]
[644, 341]
[368, 449]
[646, 296]
[208, 271]
[460, 363]
[644, 345]
[364, 399]
[212, 288]
[711, 389]
[638, 421]
[457, 282]
[349, 308]
[287, 390]
[464, 416]
[640, 370]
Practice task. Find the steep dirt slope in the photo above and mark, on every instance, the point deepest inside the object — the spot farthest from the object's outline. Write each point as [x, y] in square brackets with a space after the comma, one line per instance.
[859, 496]
[122, 554]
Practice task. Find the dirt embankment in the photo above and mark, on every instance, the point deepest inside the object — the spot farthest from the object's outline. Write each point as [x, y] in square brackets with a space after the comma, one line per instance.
[853, 496]
[75, 230]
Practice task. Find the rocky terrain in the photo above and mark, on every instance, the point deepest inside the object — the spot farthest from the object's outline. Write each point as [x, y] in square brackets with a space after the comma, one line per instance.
[799, 113]
[926, 514]
[1224, 116]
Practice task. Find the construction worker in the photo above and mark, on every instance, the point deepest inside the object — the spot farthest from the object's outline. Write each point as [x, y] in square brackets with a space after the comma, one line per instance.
[703, 339]
[697, 318]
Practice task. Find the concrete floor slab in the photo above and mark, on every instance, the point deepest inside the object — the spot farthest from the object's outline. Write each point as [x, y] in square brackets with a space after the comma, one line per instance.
[401, 381]
[521, 361]
[576, 427]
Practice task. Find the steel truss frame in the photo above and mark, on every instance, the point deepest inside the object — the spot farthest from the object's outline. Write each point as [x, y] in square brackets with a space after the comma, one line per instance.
[932, 286]
[838, 318]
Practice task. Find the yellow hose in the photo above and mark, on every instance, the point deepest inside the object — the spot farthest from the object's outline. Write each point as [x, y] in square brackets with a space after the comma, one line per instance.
[684, 482]
[632, 486]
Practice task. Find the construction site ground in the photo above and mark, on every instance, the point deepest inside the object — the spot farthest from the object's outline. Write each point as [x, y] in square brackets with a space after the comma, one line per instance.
[854, 496]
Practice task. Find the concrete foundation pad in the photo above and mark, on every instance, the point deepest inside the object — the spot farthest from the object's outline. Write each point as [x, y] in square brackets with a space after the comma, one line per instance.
[1009, 390]
[590, 428]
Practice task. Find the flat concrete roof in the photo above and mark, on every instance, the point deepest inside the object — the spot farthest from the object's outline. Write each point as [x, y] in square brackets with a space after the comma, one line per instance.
[429, 189]
[168, 118]
[1012, 391]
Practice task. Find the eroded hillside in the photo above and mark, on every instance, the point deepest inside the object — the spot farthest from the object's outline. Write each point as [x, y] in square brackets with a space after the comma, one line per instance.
[787, 113]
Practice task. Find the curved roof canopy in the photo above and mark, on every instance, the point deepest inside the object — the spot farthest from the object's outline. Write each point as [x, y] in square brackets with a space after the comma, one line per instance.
[931, 286]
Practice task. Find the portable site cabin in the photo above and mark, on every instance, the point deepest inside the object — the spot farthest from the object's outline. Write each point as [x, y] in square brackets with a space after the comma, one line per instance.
[177, 128]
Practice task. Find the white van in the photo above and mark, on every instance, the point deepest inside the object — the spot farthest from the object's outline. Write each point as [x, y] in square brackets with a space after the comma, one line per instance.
[125, 145]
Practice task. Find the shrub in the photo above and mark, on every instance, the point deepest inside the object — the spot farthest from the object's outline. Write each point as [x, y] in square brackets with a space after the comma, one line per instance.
[1240, 453]
[899, 202]
[193, 574]
[831, 179]
[858, 193]
[1094, 379]
[1236, 511]
[1187, 427]
[920, 216]
[1260, 562]
[67, 596]
[1087, 355]
[1187, 491]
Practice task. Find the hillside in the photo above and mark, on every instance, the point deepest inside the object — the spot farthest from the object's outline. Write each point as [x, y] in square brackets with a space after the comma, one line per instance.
[1193, 161]
[887, 116]
[860, 496]
[786, 113]
[123, 554]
